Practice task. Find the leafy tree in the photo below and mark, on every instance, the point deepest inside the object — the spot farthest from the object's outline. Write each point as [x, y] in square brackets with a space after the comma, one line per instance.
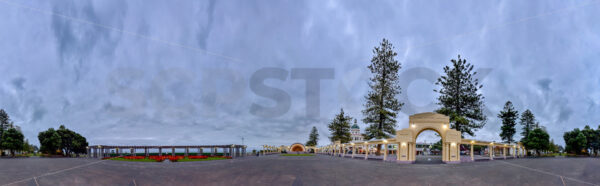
[581, 142]
[509, 117]
[79, 144]
[592, 139]
[528, 122]
[459, 98]
[437, 145]
[50, 141]
[71, 142]
[66, 138]
[596, 142]
[575, 141]
[12, 139]
[382, 106]
[313, 138]
[554, 147]
[27, 147]
[340, 128]
[62, 140]
[537, 140]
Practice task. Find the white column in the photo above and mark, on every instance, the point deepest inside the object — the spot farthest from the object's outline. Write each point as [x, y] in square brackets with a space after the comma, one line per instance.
[491, 151]
[385, 152]
[367, 151]
[504, 152]
[398, 151]
[353, 150]
[472, 158]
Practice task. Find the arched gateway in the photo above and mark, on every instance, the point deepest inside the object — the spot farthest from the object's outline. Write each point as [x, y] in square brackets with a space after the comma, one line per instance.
[404, 143]
[297, 147]
[418, 123]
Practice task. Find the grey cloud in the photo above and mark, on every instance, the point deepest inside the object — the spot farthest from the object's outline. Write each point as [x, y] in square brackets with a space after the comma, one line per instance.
[79, 37]
[544, 84]
[38, 114]
[206, 26]
[18, 83]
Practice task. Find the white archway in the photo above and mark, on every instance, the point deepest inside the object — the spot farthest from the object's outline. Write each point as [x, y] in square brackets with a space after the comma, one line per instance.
[439, 123]
[297, 147]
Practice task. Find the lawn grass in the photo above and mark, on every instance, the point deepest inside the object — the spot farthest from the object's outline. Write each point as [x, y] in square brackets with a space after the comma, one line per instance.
[297, 155]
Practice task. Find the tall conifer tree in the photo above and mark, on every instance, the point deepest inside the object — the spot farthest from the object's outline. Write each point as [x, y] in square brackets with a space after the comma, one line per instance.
[313, 138]
[509, 120]
[382, 106]
[528, 122]
[340, 128]
[459, 98]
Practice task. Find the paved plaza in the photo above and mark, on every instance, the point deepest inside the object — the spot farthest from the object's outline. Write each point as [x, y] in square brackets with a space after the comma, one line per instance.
[315, 170]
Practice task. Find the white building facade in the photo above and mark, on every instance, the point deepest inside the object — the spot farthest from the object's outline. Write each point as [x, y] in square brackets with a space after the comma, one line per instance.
[355, 133]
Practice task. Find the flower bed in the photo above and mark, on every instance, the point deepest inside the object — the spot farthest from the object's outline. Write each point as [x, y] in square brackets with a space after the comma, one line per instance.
[169, 157]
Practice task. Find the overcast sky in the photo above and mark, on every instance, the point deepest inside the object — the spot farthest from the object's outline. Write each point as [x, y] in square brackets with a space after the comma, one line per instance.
[179, 72]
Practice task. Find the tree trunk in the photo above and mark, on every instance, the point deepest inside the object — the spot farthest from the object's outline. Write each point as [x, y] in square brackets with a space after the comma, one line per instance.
[378, 152]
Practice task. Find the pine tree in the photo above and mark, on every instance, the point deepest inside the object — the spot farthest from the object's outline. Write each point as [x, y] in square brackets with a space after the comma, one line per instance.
[528, 122]
[382, 106]
[4, 122]
[459, 98]
[313, 138]
[509, 120]
[340, 128]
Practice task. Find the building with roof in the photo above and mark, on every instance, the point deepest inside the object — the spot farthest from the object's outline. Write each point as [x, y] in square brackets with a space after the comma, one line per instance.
[355, 133]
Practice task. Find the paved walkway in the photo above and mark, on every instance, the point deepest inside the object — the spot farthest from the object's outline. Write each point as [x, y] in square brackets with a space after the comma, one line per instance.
[316, 170]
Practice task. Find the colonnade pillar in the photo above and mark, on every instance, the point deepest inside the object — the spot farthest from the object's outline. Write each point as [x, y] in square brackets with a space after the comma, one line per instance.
[491, 151]
[398, 152]
[504, 152]
[472, 158]
[367, 152]
[353, 150]
[385, 152]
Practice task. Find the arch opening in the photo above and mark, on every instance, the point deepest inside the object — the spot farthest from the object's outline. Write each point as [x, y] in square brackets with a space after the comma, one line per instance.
[297, 147]
[428, 147]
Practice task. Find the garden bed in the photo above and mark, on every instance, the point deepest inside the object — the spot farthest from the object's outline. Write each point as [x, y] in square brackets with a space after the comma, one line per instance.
[165, 157]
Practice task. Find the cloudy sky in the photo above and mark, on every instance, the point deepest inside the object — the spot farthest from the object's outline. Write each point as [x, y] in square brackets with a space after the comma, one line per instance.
[181, 72]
